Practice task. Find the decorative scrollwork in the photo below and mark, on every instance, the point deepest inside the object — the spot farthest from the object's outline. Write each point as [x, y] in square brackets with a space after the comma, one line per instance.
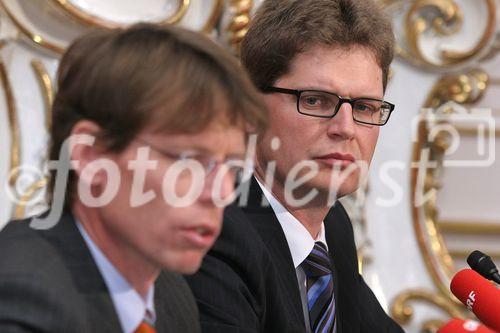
[427, 168]
[444, 18]
[466, 88]
[432, 326]
[463, 88]
[217, 10]
[15, 152]
[31, 191]
[99, 22]
[29, 33]
[46, 88]
[446, 21]
[238, 26]
[402, 311]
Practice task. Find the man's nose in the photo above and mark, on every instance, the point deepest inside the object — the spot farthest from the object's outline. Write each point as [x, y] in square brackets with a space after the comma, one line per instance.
[342, 125]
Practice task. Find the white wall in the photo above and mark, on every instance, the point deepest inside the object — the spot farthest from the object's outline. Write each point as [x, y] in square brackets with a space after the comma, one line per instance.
[396, 260]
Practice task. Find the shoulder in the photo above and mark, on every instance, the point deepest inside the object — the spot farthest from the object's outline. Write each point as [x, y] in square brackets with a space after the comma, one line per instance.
[25, 250]
[175, 304]
[240, 244]
[175, 287]
[34, 284]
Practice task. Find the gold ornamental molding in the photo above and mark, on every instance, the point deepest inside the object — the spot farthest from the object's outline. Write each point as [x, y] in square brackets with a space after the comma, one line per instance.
[476, 228]
[15, 151]
[95, 21]
[472, 132]
[495, 255]
[84, 20]
[29, 194]
[240, 22]
[462, 88]
[211, 23]
[402, 311]
[46, 88]
[443, 18]
[34, 36]
[183, 5]
[466, 88]
[427, 167]
[470, 228]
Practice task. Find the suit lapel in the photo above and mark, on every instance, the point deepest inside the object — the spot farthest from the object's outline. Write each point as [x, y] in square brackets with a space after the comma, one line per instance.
[267, 225]
[339, 240]
[336, 236]
[88, 281]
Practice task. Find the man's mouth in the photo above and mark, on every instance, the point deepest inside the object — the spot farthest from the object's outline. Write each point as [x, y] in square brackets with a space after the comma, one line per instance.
[336, 159]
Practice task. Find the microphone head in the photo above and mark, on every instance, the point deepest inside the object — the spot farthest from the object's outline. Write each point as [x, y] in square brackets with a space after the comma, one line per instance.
[482, 264]
[464, 326]
[478, 295]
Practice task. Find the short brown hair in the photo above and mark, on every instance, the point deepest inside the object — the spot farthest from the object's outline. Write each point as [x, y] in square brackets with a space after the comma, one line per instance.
[282, 29]
[173, 79]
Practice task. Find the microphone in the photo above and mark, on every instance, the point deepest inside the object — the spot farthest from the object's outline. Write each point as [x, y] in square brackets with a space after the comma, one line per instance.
[483, 264]
[464, 326]
[480, 297]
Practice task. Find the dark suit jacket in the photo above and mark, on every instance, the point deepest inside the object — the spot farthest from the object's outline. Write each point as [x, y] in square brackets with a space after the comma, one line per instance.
[49, 282]
[247, 282]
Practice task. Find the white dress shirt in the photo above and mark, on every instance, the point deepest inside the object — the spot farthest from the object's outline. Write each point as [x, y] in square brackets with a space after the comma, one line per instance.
[300, 243]
[130, 307]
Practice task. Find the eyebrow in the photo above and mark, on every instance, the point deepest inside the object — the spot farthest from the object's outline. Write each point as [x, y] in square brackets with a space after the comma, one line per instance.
[334, 92]
[237, 156]
[202, 150]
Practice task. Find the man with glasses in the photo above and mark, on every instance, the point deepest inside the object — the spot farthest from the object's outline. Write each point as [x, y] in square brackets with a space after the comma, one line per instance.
[324, 104]
[286, 259]
[148, 120]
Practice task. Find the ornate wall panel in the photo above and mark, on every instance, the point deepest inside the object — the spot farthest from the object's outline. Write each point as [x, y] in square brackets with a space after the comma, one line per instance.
[447, 65]
[455, 142]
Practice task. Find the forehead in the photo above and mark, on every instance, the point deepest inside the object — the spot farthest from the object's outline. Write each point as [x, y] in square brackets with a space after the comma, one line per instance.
[349, 72]
[216, 138]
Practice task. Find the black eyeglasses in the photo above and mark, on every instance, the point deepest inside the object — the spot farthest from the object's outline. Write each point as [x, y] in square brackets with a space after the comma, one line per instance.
[323, 104]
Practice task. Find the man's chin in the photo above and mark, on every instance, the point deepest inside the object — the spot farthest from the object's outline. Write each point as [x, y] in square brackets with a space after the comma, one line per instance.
[188, 267]
[187, 264]
[188, 270]
[331, 190]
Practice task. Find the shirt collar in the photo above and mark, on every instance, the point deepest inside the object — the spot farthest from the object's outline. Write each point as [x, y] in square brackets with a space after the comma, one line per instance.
[131, 308]
[298, 238]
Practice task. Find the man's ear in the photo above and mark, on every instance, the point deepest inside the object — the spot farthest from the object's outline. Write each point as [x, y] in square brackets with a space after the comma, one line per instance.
[85, 149]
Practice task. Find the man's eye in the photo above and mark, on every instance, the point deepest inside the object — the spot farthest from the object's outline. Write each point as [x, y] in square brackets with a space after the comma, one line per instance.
[204, 160]
[315, 101]
[366, 107]
[312, 100]
[194, 157]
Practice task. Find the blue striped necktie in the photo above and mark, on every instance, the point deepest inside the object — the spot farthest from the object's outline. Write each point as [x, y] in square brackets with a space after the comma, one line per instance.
[320, 299]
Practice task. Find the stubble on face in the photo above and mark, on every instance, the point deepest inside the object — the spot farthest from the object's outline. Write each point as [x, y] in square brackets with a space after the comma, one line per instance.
[349, 72]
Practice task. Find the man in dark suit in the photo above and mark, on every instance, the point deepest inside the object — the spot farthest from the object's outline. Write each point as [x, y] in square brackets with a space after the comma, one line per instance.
[286, 259]
[51, 283]
[147, 118]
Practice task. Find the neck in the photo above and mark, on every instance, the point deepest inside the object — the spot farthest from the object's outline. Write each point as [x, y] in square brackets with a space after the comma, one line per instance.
[310, 215]
[139, 273]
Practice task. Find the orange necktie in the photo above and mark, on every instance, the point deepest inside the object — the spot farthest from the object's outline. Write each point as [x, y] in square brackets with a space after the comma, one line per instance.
[145, 328]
